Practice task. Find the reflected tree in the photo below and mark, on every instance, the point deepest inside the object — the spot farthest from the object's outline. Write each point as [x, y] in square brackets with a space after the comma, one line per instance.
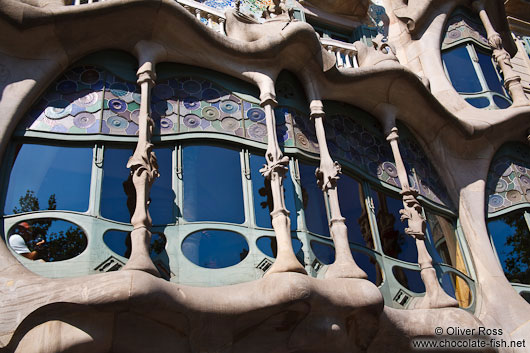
[61, 244]
[517, 263]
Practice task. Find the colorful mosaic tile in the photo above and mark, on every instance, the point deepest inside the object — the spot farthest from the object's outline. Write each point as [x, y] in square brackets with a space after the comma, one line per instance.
[72, 105]
[250, 7]
[461, 27]
[121, 107]
[509, 180]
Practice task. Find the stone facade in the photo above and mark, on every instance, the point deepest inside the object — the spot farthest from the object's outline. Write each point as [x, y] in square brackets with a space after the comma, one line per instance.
[432, 150]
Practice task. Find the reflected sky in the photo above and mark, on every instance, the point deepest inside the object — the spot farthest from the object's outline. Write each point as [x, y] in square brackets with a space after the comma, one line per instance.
[215, 248]
[461, 70]
[212, 184]
[47, 170]
[313, 201]
[263, 196]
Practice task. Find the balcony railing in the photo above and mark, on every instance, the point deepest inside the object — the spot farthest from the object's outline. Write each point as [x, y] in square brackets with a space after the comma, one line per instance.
[345, 53]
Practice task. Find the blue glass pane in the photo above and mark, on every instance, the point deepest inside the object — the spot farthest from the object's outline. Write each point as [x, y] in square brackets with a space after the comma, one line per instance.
[511, 238]
[49, 177]
[162, 194]
[212, 184]
[490, 73]
[263, 196]
[442, 243]
[479, 102]
[409, 279]
[120, 242]
[370, 266]
[115, 173]
[395, 241]
[351, 200]
[461, 70]
[268, 246]
[215, 248]
[313, 201]
[326, 254]
[501, 102]
[51, 239]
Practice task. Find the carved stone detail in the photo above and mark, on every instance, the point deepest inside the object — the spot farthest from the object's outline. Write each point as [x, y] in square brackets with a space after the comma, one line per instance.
[327, 175]
[274, 172]
[512, 81]
[144, 170]
[435, 296]
[380, 51]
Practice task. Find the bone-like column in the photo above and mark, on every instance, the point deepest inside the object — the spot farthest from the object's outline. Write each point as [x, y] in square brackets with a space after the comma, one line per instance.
[327, 175]
[512, 81]
[435, 296]
[274, 173]
[144, 171]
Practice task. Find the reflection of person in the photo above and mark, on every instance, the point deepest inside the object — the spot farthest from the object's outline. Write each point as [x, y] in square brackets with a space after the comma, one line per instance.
[18, 241]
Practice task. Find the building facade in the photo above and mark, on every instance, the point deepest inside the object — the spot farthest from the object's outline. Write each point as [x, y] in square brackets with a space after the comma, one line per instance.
[276, 176]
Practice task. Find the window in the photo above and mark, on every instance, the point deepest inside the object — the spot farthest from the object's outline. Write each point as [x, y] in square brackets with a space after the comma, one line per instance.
[508, 191]
[211, 205]
[469, 65]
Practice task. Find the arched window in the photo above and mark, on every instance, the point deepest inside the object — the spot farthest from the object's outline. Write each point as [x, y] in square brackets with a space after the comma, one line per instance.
[211, 205]
[468, 63]
[508, 191]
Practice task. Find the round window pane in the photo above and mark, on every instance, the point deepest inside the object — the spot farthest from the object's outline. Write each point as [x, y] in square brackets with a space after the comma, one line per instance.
[215, 248]
[47, 239]
[269, 247]
[457, 288]
[409, 279]
[120, 242]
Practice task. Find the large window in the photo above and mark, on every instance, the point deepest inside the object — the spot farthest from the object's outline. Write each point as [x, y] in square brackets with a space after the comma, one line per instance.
[508, 191]
[211, 206]
[469, 64]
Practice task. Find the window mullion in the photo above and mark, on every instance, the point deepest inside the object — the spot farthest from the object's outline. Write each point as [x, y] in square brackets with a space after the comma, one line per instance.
[94, 204]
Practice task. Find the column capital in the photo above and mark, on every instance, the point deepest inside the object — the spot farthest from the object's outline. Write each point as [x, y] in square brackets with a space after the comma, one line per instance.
[317, 109]
[269, 99]
[393, 135]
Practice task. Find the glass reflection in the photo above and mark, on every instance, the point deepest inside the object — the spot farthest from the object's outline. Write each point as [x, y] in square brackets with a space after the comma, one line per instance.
[115, 181]
[212, 184]
[47, 239]
[457, 288]
[115, 174]
[409, 279]
[269, 247]
[490, 73]
[313, 201]
[511, 236]
[461, 70]
[394, 240]
[352, 206]
[215, 248]
[263, 195]
[120, 242]
[49, 177]
[325, 253]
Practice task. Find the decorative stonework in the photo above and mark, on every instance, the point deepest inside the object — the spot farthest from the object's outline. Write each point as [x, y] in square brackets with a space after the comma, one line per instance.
[380, 51]
[461, 27]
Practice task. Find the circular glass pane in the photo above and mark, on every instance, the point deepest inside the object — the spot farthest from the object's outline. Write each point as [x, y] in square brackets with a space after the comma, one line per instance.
[215, 248]
[120, 242]
[47, 239]
[409, 279]
[457, 287]
[268, 245]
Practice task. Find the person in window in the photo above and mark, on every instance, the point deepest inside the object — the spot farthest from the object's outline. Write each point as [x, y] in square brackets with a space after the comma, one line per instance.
[18, 242]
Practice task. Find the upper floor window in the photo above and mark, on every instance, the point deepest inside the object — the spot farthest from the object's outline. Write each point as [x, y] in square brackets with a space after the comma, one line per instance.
[469, 65]
[508, 190]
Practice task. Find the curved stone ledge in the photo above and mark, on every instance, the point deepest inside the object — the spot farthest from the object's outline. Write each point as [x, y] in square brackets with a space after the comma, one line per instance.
[131, 311]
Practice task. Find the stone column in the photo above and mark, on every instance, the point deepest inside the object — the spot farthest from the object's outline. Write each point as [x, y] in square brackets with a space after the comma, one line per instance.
[512, 81]
[274, 173]
[327, 175]
[144, 171]
[435, 296]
